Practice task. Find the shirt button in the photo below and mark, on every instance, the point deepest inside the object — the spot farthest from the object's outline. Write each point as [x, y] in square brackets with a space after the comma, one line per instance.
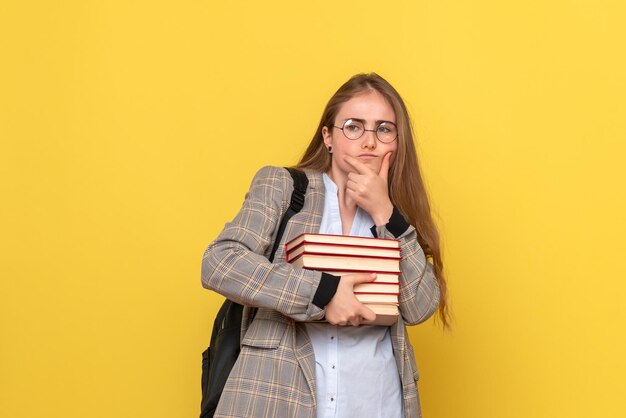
[332, 337]
[333, 366]
[332, 399]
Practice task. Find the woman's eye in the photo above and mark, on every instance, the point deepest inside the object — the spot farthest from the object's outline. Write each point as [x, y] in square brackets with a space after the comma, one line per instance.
[384, 130]
[353, 128]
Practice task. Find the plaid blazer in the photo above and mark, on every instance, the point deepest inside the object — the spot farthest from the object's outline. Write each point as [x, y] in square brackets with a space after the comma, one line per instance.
[274, 375]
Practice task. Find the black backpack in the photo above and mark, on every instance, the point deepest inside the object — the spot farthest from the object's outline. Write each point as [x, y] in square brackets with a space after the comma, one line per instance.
[219, 359]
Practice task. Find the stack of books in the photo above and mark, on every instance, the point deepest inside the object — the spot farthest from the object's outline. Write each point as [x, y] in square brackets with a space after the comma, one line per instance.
[342, 254]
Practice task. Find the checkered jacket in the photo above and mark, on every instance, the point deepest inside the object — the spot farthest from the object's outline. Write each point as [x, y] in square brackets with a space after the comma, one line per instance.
[274, 375]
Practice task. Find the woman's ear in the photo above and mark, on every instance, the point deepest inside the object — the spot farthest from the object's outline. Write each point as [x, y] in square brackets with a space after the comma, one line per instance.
[328, 140]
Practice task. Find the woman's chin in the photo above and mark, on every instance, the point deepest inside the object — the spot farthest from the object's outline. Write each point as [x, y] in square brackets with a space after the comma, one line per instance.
[373, 164]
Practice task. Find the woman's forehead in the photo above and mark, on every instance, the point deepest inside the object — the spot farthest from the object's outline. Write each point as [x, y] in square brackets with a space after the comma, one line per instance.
[369, 106]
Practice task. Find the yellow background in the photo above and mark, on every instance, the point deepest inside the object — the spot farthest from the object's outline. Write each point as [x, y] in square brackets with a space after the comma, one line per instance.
[131, 130]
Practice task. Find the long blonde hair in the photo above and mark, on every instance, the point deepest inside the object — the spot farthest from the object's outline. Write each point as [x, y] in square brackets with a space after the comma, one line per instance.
[406, 187]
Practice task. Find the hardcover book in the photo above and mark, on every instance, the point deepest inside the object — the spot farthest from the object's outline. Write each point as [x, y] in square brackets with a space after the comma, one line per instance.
[381, 277]
[356, 250]
[342, 240]
[380, 299]
[385, 314]
[378, 288]
[321, 261]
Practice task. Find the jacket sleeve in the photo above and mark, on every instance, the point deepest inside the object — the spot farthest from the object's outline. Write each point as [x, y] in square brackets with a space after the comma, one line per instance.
[419, 289]
[236, 265]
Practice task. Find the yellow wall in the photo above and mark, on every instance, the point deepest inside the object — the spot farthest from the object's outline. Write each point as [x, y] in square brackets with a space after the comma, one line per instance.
[130, 131]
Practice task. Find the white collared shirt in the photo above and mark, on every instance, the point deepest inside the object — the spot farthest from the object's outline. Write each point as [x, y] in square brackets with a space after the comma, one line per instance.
[356, 372]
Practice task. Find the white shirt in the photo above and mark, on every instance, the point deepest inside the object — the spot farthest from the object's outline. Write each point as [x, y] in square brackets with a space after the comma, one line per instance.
[356, 372]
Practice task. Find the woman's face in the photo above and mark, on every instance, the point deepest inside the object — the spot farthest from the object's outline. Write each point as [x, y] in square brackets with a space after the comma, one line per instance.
[371, 108]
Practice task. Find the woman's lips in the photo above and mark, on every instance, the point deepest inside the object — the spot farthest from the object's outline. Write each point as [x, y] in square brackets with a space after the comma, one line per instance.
[367, 156]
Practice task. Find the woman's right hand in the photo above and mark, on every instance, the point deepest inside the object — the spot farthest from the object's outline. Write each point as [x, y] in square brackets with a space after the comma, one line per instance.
[344, 308]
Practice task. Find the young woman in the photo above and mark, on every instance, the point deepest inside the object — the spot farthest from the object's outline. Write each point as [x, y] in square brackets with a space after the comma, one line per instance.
[364, 180]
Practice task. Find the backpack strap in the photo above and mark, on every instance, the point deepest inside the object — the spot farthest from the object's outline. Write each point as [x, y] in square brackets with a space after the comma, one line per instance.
[300, 183]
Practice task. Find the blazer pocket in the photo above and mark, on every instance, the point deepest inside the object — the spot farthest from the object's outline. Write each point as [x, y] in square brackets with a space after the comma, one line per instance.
[265, 333]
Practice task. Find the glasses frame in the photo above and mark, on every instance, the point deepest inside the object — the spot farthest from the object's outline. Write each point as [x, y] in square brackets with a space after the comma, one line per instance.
[367, 130]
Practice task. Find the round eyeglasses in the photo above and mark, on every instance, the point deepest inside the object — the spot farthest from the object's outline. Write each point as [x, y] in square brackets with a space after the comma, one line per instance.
[386, 132]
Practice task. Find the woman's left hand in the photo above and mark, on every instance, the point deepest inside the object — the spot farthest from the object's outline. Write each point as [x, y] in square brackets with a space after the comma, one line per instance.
[370, 190]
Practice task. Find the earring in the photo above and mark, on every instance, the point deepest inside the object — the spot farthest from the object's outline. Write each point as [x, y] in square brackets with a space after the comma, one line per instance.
[330, 149]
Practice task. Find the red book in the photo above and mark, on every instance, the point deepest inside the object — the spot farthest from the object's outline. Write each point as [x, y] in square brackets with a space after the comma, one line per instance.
[382, 299]
[381, 277]
[342, 240]
[385, 314]
[321, 261]
[378, 288]
[355, 250]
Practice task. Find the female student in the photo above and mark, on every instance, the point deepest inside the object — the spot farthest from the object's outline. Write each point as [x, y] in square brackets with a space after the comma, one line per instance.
[364, 180]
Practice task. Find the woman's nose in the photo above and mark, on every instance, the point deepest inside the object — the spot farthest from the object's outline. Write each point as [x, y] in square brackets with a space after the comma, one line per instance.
[369, 140]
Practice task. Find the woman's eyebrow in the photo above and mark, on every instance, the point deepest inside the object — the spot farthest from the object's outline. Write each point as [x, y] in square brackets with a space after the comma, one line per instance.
[377, 121]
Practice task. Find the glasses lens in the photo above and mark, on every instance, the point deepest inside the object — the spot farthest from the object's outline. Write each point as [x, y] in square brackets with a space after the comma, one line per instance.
[387, 132]
[353, 129]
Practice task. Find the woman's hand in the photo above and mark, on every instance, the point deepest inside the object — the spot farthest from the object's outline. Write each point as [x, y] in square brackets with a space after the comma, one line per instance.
[370, 190]
[344, 308]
